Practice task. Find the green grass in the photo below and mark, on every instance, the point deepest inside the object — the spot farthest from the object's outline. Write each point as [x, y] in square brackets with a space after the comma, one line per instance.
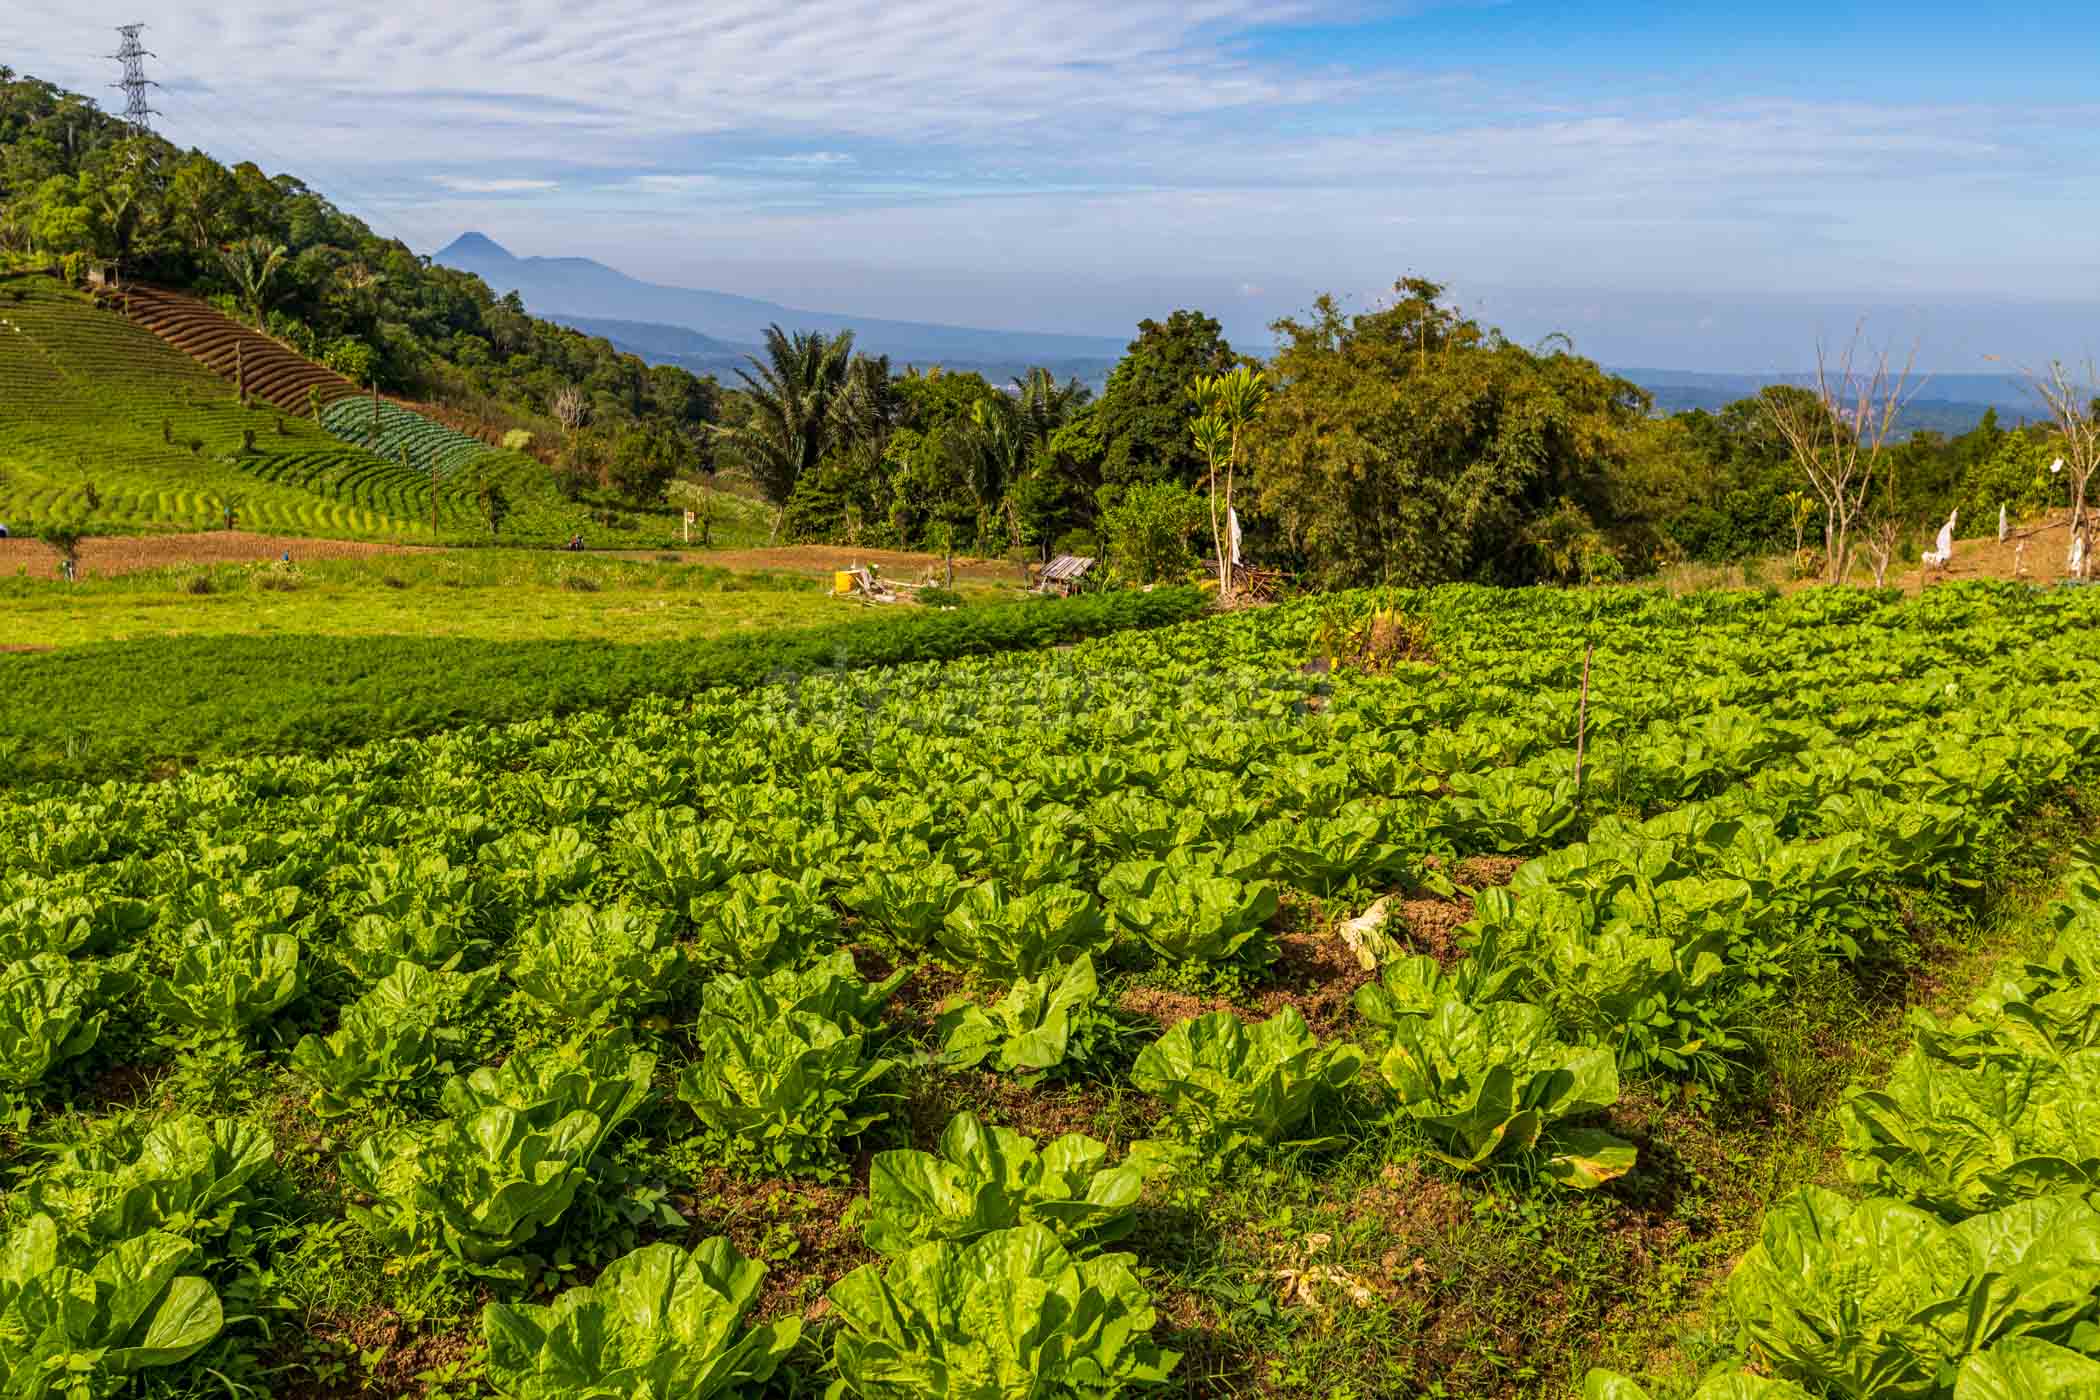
[493, 595]
[119, 709]
[93, 403]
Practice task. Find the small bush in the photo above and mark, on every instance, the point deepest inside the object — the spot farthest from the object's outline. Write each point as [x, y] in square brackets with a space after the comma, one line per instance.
[199, 584]
[940, 598]
[580, 583]
[391, 582]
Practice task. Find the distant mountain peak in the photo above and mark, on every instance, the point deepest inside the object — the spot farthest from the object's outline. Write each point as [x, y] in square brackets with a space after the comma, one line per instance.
[475, 245]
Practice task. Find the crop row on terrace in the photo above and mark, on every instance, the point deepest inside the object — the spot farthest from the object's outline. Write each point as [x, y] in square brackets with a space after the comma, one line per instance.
[388, 430]
[403, 1046]
[264, 368]
[106, 427]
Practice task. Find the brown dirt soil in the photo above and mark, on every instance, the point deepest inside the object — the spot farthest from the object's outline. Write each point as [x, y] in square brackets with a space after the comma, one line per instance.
[800, 1229]
[1431, 925]
[1169, 1007]
[898, 566]
[1318, 975]
[402, 1353]
[106, 555]
[1483, 872]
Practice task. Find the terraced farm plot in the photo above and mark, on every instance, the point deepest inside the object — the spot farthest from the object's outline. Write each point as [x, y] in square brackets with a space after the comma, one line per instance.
[388, 430]
[1316, 1030]
[91, 399]
[267, 370]
[88, 399]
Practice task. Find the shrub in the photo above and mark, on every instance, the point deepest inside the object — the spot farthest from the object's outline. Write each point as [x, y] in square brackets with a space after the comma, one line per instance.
[1148, 531]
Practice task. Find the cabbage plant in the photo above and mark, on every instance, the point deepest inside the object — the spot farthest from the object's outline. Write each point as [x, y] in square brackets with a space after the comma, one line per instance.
[1727, 1385]
[1876, 1298]
[183, 1176]
[1033, 1028]
[85, 1332]
[1003, 936]
[479, 1189]
[1009, 1313]
[45, 1017]
[224, 983]
[763, 920]
[831, 988]
[658, 1322]
[982, 1179]
[1187, 909]
[673, 858]
[591, 965]
[1228, 1084]
[1961, 1139]
[785, 1091]
[1481, 1081]
[2026, 1368]
[509, 1159]
[393, 1037]
[907, 899]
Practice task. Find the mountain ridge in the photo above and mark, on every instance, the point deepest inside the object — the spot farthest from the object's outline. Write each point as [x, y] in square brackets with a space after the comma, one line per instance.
[576, 289]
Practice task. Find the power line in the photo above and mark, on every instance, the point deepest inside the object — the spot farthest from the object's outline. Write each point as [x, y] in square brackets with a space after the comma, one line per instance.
[133, 55]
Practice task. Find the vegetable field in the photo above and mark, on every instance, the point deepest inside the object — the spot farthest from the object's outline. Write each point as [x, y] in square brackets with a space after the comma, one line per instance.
[1252, 1005]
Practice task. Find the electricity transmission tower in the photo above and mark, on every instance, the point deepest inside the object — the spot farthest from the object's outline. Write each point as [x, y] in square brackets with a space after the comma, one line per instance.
[133, 56]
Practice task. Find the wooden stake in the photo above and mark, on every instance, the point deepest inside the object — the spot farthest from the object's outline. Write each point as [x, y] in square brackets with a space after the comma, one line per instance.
[1582, 713]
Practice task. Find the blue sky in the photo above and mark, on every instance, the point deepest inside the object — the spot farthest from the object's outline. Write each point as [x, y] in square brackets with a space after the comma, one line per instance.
[1692, 185]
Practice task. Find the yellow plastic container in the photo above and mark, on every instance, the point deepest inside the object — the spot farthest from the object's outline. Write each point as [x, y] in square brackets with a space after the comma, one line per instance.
[841, 582]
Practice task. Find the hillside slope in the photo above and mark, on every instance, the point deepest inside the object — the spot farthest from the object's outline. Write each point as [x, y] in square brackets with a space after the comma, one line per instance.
[108, 428]
[247, 358]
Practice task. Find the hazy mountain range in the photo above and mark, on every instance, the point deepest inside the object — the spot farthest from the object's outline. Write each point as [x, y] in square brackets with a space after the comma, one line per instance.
[712, 333]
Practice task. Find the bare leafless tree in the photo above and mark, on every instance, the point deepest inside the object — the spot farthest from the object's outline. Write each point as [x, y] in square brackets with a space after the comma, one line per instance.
[1837, 433]
[2073, 398]
[1882, 536]
[571, 408]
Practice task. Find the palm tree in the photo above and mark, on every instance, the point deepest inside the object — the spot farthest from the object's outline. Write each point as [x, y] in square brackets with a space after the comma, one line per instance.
[1227, 404]
[252, 263]
[1047, 405]
[1006, 436]
[791, 421]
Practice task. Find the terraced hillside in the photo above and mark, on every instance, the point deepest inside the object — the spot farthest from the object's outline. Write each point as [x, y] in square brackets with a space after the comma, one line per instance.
[102, 423]
[107, 425]
[269, 371]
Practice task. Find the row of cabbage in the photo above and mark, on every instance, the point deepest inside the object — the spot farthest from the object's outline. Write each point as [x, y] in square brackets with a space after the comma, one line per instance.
[1969, 1266]
[388, 430]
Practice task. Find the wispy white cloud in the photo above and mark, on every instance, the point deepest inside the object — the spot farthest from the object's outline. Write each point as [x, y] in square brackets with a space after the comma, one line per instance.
[474, 184]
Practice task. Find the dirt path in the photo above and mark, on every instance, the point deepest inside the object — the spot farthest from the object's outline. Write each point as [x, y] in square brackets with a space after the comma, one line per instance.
[123, 554]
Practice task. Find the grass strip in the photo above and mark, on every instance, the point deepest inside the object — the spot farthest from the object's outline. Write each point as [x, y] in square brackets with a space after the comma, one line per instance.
[140, 709]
